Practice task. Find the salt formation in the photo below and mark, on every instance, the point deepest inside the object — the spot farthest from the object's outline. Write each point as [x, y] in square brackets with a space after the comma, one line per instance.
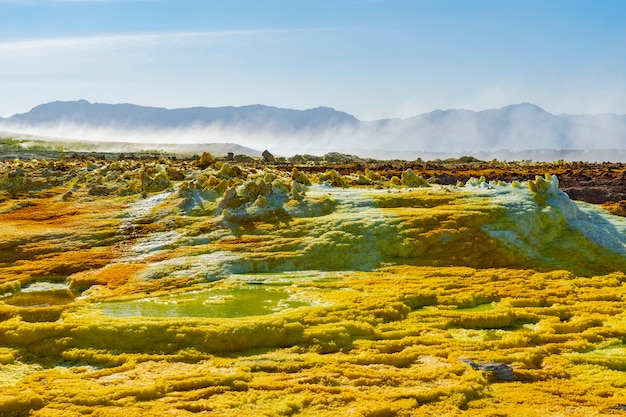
[411, 180]
[545, 215]
[373, 288]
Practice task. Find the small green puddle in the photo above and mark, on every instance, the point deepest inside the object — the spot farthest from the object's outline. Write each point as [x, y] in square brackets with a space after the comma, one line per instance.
[244, 301]
[613, 350]
[451, 308]
[41, 294]
[477, 308]
[287, 277]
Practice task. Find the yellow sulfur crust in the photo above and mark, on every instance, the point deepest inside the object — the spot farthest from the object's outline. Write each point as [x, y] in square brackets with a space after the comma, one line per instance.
[379, 291]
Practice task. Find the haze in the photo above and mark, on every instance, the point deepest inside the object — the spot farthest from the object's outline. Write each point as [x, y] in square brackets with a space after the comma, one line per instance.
[511, 132]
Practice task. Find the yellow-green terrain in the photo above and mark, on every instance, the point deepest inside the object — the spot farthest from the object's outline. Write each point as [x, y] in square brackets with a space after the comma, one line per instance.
[135, 287]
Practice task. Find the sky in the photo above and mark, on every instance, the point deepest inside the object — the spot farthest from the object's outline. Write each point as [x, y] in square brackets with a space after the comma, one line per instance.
[371, 58]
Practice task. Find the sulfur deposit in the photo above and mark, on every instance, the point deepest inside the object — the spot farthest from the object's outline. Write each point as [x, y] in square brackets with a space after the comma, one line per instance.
[164, 286]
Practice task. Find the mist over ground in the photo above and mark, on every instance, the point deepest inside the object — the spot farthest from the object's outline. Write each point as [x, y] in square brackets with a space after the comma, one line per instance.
[516, 132]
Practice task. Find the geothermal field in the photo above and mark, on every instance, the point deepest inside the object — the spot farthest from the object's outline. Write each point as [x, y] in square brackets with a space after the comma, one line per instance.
[161, 285]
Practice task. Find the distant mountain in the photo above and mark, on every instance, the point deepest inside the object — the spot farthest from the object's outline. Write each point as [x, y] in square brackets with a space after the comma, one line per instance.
[83, 112]
[511, 129]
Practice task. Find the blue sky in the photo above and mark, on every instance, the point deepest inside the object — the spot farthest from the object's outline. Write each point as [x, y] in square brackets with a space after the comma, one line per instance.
[371, 58]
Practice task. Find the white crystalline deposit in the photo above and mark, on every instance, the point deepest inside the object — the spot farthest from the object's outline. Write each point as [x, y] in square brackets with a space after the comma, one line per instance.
[257, 226]
[208, 267]
[352, 234]
[607, 230]
[541, 213]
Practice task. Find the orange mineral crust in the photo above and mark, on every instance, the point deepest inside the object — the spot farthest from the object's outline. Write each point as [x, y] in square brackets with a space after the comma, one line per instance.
[164, 286]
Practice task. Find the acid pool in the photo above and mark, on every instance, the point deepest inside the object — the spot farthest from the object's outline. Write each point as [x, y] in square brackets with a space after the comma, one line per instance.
[41, 294]
[240, 301]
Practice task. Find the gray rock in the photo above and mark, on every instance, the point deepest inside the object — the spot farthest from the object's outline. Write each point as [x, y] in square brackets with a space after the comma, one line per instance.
[502, 371]
[268, 156]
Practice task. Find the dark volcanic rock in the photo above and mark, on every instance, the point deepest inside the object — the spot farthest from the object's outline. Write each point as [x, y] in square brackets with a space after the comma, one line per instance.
[501, 371]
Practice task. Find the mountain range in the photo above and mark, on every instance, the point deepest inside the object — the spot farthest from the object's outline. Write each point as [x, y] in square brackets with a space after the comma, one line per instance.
[511, 128]
[132, 116]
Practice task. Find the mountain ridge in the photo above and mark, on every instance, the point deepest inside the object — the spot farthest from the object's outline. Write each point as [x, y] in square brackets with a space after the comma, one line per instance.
[133, 115]
[72, 104]
[83, 104]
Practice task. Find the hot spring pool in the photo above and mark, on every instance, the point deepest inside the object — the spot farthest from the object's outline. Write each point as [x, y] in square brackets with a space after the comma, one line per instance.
[41, 294]
[239, 301]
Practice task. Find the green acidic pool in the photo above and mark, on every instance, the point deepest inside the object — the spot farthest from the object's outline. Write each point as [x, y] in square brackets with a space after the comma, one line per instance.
[243, 301]
[40, 294]
[476, 308]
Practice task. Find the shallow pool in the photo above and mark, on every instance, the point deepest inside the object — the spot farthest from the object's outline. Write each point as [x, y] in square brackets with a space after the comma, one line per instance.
[240, 301]
[41, 294]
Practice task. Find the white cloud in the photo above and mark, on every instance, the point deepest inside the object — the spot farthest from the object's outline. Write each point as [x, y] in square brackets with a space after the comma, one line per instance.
[90, 42]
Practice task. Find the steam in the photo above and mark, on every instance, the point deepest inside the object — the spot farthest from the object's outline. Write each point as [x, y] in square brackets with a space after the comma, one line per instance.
[527, 132]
